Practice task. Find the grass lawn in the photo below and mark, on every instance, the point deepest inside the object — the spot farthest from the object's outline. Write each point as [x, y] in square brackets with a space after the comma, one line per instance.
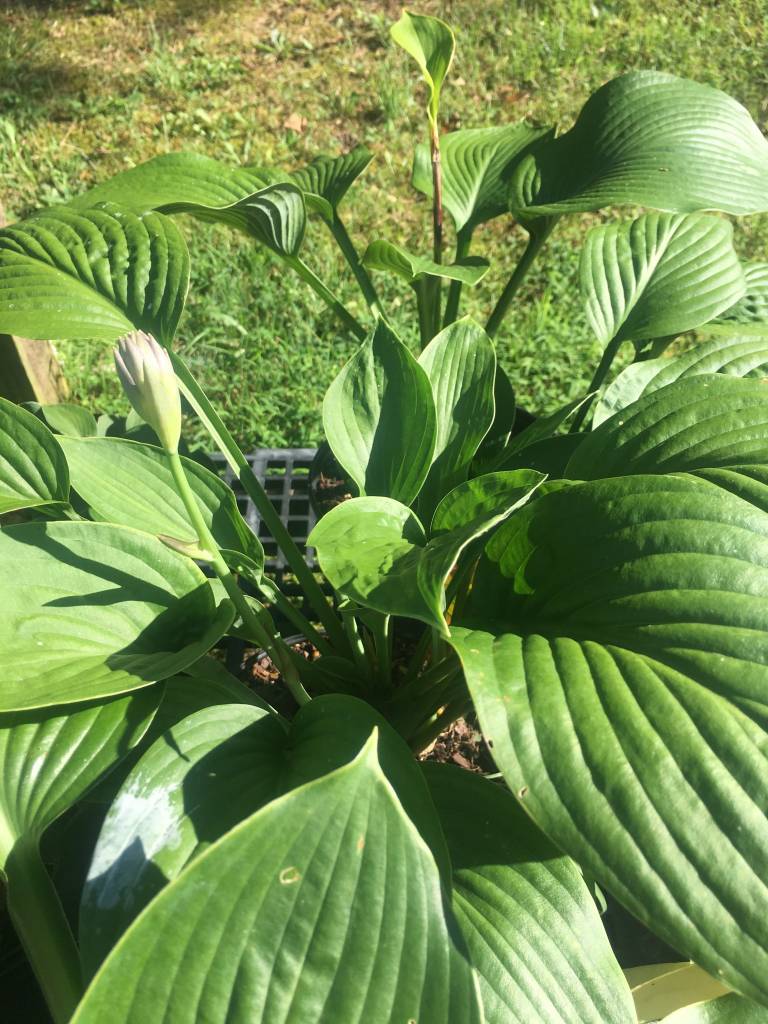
[88, 87]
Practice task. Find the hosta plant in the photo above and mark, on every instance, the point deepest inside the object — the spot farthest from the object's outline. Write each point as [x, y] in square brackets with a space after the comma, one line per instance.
[591, 584]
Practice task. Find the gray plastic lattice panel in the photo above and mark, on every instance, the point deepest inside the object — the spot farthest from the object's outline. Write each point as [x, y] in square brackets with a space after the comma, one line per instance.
[284, 474]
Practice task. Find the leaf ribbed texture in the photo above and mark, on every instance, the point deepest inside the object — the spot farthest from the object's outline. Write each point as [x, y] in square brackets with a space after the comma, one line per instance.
[703, 422]
[325, 906]
[476, 166]
[623, 686]
[658, 275]
[33, 470]
[740, 356]
[93, 273]
[532, 928]
[650, 139]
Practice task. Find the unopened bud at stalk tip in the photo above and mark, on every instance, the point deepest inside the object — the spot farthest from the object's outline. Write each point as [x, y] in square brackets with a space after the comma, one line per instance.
[145, 371]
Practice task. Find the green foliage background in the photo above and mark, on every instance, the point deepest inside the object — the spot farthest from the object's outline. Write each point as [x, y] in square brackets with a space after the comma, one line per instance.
[88, 87]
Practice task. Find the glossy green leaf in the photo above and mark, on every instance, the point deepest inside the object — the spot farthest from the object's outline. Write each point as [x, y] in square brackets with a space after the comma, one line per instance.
[730, 1009]
[51, 757]
[174, 178]
[331, 177]
[534, 934]
[616, 651]
[431, 44]
[71, 420]
[275, 216]
[739, 356]
[379, 418]
[209, 773]
[650, 139]
[752, 309]
[95, 273]
[461, 365]
[476, 166]
[373, 550]
[324, 906]
[131, 484]
[480, 496]
[658, 275]
[382, 255]
[93, 610]
[703, 422]
[33, 470]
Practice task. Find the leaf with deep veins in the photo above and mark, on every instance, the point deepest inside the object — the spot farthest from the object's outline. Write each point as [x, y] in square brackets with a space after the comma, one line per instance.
[650, 139]
[325, 906]
[617, 653]
[94, 273]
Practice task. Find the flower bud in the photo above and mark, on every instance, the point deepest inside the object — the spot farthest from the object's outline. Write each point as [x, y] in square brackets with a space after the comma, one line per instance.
[145, 371]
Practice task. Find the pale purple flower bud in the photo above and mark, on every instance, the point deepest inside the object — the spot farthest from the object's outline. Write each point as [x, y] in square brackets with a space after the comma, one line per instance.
[145, 371]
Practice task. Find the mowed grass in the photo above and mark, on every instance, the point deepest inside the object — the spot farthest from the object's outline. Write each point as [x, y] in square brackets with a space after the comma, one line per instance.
[89, 87]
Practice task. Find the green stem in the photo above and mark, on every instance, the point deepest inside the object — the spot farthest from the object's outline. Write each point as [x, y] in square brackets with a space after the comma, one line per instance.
[362, 277]
[269, 516]
[437, 216]
[532, 249]
[317, 286]
[44, 931]
[355, 640]
[463, 244]
[603, 368]
[269, 639]
[382, 637]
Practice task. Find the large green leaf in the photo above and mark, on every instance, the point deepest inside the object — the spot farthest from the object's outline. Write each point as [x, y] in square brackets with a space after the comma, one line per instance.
[739, 356]
[617, 653]
[72, 420]
[752, 309]
[480, 496]
[131, 484]
[33, 470]
[275, 216]
[173, 178]
[324, 906]
[658, 275]
[476, 166]
[431, 44]
[731, 1009]
[94, 273]
[650, 139]
[383, 255]
[383, 434]
[374, 551]
[93, 610]
[208, 773]
[703, 422]
[331, 177]
[532, 928]
[461, 365]
[52, 756]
